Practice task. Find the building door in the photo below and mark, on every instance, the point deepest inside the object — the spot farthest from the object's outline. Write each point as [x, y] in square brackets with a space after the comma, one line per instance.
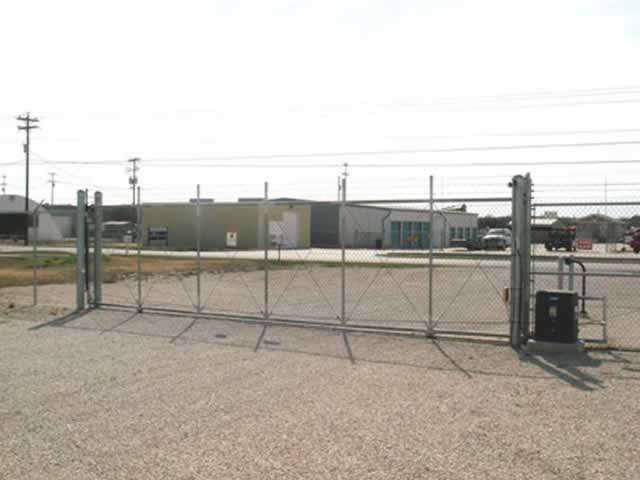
[395, 235]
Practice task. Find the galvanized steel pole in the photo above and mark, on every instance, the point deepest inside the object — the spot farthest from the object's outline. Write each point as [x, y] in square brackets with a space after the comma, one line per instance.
[560, 273]
[516, 271]
[343, 266]
[139, 253]
[343, 296]
[265, 239]
[35, 257]
[199, 261]
[431, 229]
[80, 250]
[97, 253]
[572, 271]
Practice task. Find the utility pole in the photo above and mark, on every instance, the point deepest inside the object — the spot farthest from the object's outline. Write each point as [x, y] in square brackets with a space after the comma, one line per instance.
[27, 125]
[53, 185]
[133, 179]
[4, 184]
[346, 172]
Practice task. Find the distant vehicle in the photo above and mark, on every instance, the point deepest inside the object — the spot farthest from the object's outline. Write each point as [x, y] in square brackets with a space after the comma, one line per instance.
[634, 243]
[497, 238]
[558, 239]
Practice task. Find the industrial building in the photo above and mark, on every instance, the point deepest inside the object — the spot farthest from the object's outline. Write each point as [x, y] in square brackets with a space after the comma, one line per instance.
[387, 227]
[600, 228]
[12, 206]
[226, 225]
[66, 216]
[295, 223]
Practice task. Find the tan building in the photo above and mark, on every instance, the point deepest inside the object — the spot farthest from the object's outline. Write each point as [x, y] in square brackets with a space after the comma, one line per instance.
[226, 225]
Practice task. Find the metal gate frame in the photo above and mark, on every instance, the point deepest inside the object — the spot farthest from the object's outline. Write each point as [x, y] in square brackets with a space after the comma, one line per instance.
[519, 302]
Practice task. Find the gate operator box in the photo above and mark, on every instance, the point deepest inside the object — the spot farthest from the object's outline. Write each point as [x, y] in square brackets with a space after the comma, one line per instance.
[556, 316]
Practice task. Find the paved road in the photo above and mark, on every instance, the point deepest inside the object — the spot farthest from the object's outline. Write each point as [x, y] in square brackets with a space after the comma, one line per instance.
[621, 262]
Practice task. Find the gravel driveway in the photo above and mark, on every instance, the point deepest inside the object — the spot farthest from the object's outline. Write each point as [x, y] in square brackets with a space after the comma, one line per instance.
[111, 396]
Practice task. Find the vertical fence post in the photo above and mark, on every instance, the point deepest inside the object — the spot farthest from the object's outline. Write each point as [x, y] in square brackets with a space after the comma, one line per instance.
[97, 250]
[199, 260]
[265, 240]
[139, 235]
[571, 282]
[514, 332]
[87, 250]
[431, 230]
[526, 259]
[80, 250]
[343, 266]
[34, 260]
[264, 222]
[520, 258]
[560, 273]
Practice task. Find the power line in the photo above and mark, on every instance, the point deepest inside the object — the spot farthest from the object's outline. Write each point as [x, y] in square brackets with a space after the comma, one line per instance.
[404, 151]
[157, 162]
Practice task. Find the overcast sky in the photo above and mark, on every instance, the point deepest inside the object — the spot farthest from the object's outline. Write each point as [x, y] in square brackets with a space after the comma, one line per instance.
[192, 82]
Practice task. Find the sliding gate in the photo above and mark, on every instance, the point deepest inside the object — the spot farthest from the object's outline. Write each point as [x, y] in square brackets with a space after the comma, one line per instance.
[441, 279]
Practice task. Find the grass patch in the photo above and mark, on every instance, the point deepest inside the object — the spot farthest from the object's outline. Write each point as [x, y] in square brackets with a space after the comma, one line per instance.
[17, 270]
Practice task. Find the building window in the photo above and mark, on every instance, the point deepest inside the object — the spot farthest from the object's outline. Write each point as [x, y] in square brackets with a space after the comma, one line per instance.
[467, 233]
[452, 233]
[475, 233]
[460, 233]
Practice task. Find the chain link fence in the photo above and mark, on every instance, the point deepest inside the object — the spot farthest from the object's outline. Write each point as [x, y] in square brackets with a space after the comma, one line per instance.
[592, 248]
[30, 260]
[422, 265]
[416, 265]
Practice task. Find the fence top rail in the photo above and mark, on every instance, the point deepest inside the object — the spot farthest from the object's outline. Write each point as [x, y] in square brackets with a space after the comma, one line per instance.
[585, 204]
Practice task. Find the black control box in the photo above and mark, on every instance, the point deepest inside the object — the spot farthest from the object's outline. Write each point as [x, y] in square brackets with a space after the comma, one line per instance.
[556, 316]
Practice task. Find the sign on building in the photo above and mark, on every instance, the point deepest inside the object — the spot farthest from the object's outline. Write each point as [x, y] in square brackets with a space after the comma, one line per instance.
[232, 239]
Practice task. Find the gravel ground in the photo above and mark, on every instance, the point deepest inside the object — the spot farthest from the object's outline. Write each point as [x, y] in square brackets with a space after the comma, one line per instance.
[113, 396]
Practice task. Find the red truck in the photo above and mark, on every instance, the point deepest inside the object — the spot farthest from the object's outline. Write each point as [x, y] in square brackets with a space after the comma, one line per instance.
[634, 242]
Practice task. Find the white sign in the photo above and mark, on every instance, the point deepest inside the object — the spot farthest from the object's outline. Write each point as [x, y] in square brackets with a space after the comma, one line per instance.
[232, 239]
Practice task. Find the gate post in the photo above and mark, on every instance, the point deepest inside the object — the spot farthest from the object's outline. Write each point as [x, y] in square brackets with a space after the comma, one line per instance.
[266, 239]
[97, 253]
[343, 257]
[198, 259]
[520, 259]
[80, 249]
[431, 230]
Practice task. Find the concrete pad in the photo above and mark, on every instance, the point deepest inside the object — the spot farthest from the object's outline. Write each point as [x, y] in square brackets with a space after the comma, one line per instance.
[536, 347]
